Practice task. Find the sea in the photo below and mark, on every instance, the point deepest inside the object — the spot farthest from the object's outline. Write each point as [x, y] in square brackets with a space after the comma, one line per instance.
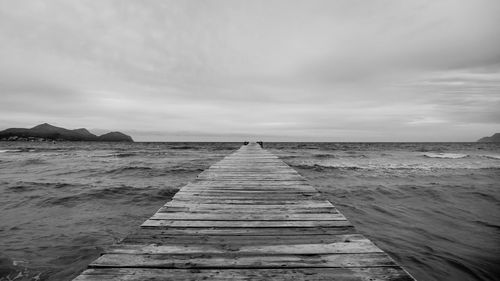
[433, 207]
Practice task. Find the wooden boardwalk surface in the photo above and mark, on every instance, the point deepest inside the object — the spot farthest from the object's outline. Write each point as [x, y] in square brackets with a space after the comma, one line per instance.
[248, 217]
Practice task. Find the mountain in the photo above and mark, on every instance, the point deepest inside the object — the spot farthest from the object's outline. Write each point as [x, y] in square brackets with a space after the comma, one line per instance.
[494, 138]
[84, 132]
[46, 131]
[52, 132]
[115, 136]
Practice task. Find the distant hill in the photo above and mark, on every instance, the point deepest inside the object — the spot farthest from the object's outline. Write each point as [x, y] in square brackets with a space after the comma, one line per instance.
[494, 138]
[114, 136]
[46, 131]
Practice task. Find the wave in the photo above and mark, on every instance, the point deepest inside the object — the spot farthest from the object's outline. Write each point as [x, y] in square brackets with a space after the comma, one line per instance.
[145, 171]
[119, 155]
[16, 270]
[33, 149]
[184, 170]
[288, 156]
[9, 150]
[495, 157]
[388, 167]
[487, 224]
[224, 147]
[182, 147]
[325, 155]
[306, 146]
[330, 156]
[124, 193]
[320, 168]
[22, 186]
[128, 169]
[33, 161]
[104, 155]
[446, 155]
[355, 156]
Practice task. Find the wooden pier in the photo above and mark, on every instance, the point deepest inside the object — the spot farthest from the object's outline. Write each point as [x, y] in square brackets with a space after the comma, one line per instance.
[248, 217]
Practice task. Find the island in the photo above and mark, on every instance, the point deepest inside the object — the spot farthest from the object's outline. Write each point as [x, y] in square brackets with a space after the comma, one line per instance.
[47, 132]
[494, 138]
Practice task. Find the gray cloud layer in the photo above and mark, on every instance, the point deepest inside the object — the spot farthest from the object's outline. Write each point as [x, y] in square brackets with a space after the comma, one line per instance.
[278, 70]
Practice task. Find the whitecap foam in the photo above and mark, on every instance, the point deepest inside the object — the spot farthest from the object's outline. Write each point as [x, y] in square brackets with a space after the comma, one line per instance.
[9, 150]
[105, 155]
[445, 155]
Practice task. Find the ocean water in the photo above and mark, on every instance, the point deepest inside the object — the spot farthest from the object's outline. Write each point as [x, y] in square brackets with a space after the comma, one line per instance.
[434, 207]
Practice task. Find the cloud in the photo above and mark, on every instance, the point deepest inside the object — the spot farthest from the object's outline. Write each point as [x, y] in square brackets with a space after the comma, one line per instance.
[330, 70]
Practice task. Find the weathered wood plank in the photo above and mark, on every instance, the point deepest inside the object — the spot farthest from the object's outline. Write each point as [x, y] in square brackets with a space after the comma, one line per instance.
[248, 196]
[310, 203]
[235, 205]
[252, 196]
[243, 261]
[277, 176]
[207, 223]
[251, 193]
[234, 241]
[248, 217]
[240, 209]
[351, 247]
[393, 273]
[250, 187]
[242, 231]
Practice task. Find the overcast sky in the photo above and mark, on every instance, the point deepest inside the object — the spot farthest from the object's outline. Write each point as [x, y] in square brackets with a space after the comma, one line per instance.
[272, 70]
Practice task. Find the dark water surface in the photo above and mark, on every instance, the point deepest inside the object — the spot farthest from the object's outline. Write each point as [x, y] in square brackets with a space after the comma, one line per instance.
[434, 207]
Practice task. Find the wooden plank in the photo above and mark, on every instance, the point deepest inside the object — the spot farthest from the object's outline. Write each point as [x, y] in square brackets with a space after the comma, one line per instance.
[249, 192]
[257, 224]
[252, 176]
[251, 189]
[352, 247]
[239, 205]
[249, 183]
[252, 186]
[242, 231]
[146, 237]
[393, 273]
[206, 182]
[247, 196]
[243, 261]
[254, 195]
[310, 203]
[271, 211]
[240, 209]
[251, 171]
[247, 217]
